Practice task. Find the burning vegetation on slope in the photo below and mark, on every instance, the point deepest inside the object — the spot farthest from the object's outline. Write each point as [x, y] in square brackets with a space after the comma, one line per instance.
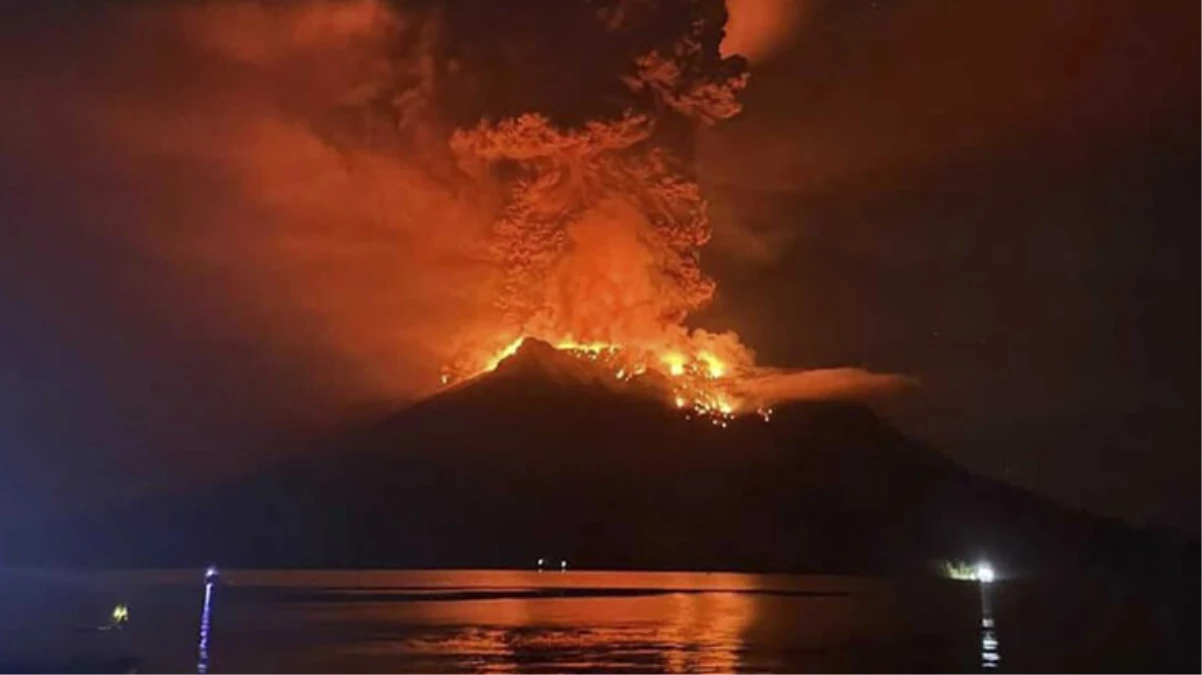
[697, 386]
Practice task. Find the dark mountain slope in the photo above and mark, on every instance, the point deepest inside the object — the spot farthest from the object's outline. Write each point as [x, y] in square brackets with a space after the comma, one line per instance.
[548, 457]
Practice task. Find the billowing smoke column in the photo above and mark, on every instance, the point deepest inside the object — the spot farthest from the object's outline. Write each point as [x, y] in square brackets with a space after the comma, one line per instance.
[599, 236]
[601, 224]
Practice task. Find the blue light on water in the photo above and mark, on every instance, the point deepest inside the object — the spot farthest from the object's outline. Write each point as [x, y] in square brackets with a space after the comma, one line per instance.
[206, 614]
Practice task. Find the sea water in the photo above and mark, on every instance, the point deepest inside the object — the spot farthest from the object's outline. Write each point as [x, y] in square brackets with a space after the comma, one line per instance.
[579, 620]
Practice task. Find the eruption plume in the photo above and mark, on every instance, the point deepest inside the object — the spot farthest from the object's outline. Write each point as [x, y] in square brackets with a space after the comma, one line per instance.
[599, 238]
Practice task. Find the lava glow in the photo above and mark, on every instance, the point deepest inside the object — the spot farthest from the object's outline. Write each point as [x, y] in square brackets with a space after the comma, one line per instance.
[497, 358]
[699, 384]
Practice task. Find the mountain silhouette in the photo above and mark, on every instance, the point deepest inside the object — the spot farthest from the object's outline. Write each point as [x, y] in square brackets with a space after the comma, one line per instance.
[549, 457]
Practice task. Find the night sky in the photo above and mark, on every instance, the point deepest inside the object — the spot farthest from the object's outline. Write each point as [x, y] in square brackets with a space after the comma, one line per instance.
[999, 199]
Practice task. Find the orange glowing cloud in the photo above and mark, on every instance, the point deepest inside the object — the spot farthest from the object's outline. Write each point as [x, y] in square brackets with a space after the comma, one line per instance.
[757, 29]
[771, 386]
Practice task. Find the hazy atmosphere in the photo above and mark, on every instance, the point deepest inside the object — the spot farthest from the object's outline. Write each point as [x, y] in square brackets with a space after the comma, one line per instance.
[230, 228]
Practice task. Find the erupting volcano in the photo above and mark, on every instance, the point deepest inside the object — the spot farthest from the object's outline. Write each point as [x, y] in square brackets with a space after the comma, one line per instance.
[600, 222]
[599, 234]
[698, 384]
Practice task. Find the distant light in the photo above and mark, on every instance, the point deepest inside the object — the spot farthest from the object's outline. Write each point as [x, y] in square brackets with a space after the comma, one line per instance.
[211, 574]
[985, 573]
[563, 565]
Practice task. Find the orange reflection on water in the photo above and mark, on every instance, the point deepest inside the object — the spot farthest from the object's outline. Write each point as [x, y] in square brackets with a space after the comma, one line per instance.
[708, 633]
[575, 622]
[673, 632]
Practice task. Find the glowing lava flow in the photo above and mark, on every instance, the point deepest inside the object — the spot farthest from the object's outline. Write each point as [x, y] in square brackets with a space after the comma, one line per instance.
[700, 382]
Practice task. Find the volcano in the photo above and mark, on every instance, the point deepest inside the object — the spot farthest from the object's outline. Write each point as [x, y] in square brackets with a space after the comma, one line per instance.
[549, 457]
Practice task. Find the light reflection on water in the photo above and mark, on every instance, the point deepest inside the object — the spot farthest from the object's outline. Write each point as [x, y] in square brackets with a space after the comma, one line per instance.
[991, 655]
[202, 656]
[677, 632]
[487, 621]
[498, 621]
[206, 622]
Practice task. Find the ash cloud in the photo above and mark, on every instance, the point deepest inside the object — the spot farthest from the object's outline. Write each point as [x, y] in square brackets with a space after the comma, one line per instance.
[238, 145]
[771, 386]
[759, 29]
[215, 245]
